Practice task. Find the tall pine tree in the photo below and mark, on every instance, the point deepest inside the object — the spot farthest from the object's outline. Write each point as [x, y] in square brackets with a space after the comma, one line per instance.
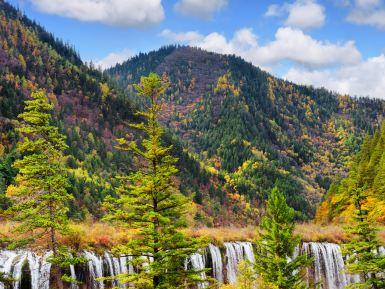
[362, 253]
[150, 203]
[275, 260]
[39, 197]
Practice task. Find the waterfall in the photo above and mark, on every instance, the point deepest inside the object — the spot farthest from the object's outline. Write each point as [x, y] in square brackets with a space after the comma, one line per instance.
[328, 265]
[95, 267]
[18, 266]
[7, 259]
[327, 269]
[197, 261]
[73, 276]
[248, 251]
[234, 254]
[40, 270]
[216, 259]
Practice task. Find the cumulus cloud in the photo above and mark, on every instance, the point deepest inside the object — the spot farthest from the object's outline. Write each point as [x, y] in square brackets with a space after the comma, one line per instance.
[114, 57]
[289, 44]
[199, 8]
[189, 36]
[367, 12]
[366, 78]
[303, 14]
[132, 13]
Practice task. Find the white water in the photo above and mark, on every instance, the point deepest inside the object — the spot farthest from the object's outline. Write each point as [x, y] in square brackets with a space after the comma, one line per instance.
[198, 263]
[7, 259]
[73, 276]
[327, 270]
[234, 254]
[216, 260]
[95, 267]
[328, 265]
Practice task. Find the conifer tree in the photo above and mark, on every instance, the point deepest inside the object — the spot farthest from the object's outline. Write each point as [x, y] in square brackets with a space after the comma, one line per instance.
[275, 260]
[39, 197]
[362, 253]
[150, 203]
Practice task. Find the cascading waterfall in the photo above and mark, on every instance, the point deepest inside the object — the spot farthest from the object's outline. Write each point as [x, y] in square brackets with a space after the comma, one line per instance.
[95, 267]
[328, 265]
[198, 263]
[248, 251]
[234, 254]
[73, 276]
[327, 269]
[216, 260]
[7, 259]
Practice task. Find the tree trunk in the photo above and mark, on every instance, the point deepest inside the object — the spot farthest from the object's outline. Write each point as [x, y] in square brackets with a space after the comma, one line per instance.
[56, 281]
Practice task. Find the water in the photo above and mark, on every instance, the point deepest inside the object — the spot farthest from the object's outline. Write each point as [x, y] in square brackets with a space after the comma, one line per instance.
[95, 267]
[197, 261]
[327, 269]
[216, 259]
[234, 254]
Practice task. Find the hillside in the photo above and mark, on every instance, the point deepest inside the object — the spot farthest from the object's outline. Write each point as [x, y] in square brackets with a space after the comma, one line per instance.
[89, 111]
[236, 130]
[254, 129]
[366, 171]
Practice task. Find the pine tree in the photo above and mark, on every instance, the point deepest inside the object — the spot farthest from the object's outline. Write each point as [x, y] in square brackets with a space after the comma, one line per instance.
[150, 203]
[39, 197]
[275, 260]
[362, 253]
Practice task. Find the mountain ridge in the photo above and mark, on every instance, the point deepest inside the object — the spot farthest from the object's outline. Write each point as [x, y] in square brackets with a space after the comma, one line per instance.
[237, 130]
[231, 112]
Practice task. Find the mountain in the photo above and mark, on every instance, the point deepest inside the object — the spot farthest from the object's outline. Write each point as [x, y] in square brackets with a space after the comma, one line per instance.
[254, 129]
[367, 171]
[236, 129]
[90, 111]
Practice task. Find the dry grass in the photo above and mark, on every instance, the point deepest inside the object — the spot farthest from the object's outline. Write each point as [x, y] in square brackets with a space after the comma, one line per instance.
[224, 234]
[311, 232]
[99, 236]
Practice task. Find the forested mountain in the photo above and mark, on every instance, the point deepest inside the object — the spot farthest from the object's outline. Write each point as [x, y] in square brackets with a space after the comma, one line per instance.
[366, 172]
[89, 111]
[236, 130]
[254, 129]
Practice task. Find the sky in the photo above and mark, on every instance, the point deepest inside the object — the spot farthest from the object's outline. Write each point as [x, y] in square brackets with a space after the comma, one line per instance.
[336, 44]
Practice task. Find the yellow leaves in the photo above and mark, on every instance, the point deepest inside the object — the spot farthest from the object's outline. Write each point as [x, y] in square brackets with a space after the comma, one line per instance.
[105, 90]
[224, 85]
[11, 191]
[22, 62]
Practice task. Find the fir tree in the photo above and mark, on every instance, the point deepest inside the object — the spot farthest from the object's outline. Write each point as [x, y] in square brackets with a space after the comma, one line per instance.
[150, 203]
[362, 253]
[275, 260]
[39, 197]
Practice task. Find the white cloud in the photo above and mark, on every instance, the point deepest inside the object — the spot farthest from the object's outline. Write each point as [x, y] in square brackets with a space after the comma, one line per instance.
[367, 12]
[273, 10]
[304, 14]
[199, 8]
[181, 37]
[113, 58]
[128, 13]
[289, 44]
[366, 78]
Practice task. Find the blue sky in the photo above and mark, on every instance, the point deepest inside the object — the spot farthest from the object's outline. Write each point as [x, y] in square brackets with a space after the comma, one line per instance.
[338, 44]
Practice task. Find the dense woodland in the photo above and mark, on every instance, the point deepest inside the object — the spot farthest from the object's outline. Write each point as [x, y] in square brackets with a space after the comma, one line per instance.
[237, 131]
[180, 138]
[254, 130]
[366, 171]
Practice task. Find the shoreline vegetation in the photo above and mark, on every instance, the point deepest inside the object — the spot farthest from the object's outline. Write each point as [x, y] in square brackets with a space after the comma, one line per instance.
[101, 236]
